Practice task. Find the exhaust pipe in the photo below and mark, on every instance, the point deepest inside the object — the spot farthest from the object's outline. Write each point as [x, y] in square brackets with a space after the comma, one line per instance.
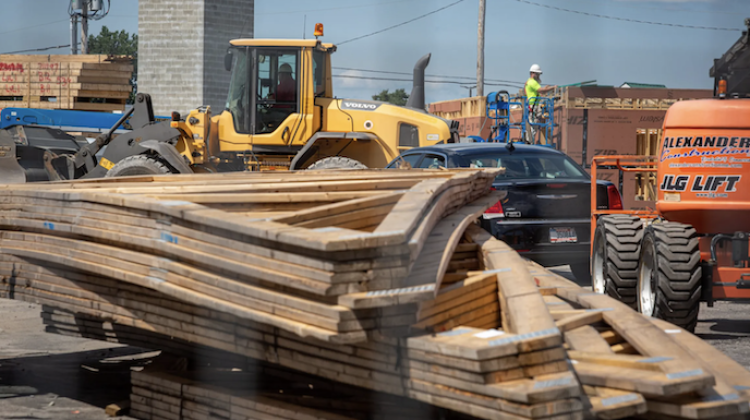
[416, 98]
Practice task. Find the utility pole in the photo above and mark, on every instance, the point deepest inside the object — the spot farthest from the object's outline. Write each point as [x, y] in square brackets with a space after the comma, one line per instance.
[85, 27]
[83, 10]
[480, 48]
[74, 34]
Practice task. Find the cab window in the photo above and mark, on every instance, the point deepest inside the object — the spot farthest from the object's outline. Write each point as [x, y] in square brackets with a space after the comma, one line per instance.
[277, 85]
[238, 100]
[319, 73]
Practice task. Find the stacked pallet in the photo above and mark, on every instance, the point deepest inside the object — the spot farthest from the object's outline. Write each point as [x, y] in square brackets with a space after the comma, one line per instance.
[81, 82]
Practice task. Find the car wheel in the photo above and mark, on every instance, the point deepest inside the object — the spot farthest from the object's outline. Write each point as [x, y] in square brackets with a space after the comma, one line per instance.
[614, 263]
[669, 277]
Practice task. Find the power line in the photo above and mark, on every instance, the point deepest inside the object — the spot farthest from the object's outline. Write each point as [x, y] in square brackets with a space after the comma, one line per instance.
[332, 8]
[393, 79]
[37, 49]
[402, 23]
[324, 10]
[33, 26]
[428, 75]
[667, 9]
[677, 25]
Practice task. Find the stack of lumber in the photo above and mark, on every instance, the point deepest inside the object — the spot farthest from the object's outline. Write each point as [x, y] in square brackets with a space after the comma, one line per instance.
[475, 375]
[81, 82]
[323, 254]
[375, 279]
[309, 271]
[262, 392]
[621, 103]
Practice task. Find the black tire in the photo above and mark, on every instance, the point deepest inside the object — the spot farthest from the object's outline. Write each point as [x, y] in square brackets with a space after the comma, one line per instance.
[582, 273]
[617, 250]
[138, 165]
[337, 162]
[671, 269]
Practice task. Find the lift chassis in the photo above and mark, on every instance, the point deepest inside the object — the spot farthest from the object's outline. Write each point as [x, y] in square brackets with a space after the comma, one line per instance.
[662, 267]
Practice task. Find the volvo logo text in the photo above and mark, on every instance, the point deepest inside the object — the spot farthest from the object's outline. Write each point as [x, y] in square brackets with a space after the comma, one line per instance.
[359, 106]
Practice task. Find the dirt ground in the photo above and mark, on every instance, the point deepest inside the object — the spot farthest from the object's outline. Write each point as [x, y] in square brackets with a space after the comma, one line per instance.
[47, 376]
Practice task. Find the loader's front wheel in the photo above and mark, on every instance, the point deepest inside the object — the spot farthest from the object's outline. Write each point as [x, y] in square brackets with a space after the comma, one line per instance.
[614, 263]
[669, 277]
[337, 162]
[138, 165]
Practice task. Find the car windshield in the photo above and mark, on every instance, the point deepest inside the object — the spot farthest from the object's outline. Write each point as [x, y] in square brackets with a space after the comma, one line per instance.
[529, 166]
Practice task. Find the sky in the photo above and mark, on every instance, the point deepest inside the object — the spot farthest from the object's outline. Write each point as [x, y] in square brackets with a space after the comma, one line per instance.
[570, 47]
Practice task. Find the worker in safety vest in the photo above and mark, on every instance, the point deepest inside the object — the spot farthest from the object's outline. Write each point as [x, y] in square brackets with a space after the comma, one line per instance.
[536, 113]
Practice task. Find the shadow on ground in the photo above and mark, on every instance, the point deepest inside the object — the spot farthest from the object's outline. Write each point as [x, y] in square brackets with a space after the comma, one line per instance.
[731, 329]
[96, 377]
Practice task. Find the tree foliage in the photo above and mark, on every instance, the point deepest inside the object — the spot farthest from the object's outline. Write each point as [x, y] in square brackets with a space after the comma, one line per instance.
[117, 43]
[113, 43]
[397, 97]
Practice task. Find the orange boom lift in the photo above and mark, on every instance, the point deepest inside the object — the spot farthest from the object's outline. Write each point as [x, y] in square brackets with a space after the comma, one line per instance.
[694, 246]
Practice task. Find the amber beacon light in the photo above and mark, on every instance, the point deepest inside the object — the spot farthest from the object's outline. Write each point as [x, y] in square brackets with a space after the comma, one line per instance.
[722, 91]
[318, 30]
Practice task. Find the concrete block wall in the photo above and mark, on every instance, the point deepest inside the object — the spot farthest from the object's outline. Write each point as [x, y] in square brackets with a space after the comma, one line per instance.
[181, 46]
[224, 20]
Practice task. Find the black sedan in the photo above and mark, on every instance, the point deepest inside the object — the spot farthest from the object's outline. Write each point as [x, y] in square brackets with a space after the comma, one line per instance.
[546, 213]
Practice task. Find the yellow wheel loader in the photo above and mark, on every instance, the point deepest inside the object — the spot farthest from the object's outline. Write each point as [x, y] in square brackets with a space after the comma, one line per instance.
[280, 115]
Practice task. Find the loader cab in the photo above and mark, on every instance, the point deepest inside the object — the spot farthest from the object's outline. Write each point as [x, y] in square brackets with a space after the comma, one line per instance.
[269, 95]
[270, 76]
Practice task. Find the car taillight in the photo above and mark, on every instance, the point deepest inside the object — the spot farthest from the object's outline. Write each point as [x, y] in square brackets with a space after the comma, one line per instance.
[615, 201]
[557, 185]
[497, 208]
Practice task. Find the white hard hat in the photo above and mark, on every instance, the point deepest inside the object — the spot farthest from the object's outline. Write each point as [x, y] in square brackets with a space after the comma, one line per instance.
[535, 69]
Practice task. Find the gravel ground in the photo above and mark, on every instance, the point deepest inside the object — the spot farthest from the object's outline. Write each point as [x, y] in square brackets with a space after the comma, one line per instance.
[727, 327]
[47, 376]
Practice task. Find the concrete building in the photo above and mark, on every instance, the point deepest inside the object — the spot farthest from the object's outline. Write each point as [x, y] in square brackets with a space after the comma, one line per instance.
[181, 46]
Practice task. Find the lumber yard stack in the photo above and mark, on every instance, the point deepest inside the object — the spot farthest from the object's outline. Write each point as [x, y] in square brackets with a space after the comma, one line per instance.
[262, 391]
[87, 82]
[374, 279]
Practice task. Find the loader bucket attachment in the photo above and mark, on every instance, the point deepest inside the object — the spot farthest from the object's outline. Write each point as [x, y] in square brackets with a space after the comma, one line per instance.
[11, 172]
